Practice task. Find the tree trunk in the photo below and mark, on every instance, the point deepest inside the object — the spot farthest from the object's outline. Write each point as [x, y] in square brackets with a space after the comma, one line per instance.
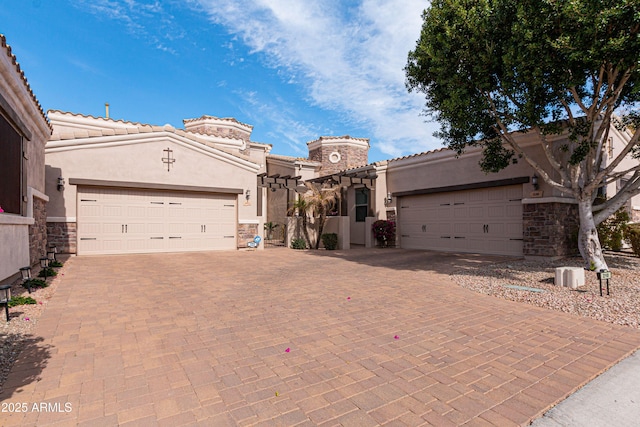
[305, 230]
[588, 240]
[321, 222]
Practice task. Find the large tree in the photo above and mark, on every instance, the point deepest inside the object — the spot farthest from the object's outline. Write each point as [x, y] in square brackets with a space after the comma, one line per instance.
[492, 68]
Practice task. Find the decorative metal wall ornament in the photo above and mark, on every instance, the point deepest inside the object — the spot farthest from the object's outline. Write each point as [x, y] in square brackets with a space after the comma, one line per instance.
[168, 160]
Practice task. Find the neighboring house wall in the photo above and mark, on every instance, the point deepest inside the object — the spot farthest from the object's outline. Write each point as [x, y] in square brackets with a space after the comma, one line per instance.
[22, 241]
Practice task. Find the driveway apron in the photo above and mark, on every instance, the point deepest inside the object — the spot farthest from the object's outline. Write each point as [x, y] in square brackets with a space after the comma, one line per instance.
[282, 337]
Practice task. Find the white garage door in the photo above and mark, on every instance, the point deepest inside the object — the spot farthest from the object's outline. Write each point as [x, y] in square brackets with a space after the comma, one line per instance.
[116, 221]
[487, 221]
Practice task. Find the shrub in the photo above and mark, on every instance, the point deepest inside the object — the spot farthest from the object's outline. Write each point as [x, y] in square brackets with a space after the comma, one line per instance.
[384, 231]
[612, 230]
[633, 235]
[55, 264]
[298, 243]
[47, 272]
[330, 241]
[36, 283]
[21, 300]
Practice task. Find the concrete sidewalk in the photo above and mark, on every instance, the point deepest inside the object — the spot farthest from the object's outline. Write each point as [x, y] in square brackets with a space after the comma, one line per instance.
[284, 337]
[612, 399]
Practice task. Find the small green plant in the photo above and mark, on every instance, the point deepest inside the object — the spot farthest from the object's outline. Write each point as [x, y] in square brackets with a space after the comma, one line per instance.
[35, 283]
[21, 300]
[612, 231]
[47, 272]
[269, 228]
[330, 241]
[55, 264]
[298, 243]
[633, 235]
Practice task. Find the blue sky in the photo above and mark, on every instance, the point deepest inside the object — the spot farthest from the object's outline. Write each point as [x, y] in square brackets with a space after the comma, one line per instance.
[295, 70]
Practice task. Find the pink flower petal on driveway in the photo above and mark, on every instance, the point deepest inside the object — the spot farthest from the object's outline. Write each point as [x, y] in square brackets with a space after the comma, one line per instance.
[396, 337]
[287, 350]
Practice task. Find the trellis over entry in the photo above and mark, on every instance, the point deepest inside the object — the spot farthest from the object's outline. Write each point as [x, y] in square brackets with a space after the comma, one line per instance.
[275, 182]
[349, 178]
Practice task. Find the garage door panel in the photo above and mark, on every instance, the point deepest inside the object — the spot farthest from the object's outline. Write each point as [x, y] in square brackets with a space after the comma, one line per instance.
[482, 221]
[138, 221]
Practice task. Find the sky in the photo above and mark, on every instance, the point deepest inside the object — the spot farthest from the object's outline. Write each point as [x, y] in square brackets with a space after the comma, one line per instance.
[294, 70]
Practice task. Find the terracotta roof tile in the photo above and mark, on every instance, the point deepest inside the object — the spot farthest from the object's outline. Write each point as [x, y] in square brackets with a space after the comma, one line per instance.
[14, 61]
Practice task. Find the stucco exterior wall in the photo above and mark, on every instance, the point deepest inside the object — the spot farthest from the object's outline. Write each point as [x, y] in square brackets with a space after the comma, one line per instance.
[21, 108]
[140, 161]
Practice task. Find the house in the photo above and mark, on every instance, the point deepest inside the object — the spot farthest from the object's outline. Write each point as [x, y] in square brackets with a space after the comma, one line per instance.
[24, 130]
[121, 187]
[443, 201]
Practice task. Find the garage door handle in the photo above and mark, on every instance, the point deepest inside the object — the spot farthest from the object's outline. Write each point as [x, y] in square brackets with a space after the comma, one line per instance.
[516, 239]
[88, 238]
[459, 237]
[229, 237]
[156, 237]
[229, 206]
[174, 237]
[445, 237]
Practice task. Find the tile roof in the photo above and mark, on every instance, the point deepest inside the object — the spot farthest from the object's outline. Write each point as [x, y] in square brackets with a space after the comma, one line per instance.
[14, 61]
[224, 119]
[136, 128]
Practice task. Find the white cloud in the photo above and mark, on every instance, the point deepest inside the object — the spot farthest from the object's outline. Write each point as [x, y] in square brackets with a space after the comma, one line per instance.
[350, 60]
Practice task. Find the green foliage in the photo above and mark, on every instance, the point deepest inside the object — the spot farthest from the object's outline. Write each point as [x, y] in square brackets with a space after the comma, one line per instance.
[55, 264]
[612, 231]
[298, 244]
[269, 228]
[47, 272]
[330, 241]
[633, 234]
[492, 67]
[21, 300]
[36, 283]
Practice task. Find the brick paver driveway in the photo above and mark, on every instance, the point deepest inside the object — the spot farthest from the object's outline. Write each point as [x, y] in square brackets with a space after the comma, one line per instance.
[283, 337]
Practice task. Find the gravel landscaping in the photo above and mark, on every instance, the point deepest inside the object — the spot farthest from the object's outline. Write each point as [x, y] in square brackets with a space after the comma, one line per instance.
[18, 331]
[621, 307]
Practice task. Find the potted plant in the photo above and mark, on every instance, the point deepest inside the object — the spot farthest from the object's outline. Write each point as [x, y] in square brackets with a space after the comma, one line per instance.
[384, 231]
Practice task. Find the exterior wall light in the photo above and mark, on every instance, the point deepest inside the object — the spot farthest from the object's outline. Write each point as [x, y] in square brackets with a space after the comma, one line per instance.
[247, 194]
[388, 199]
[534, 182]
[60, 183]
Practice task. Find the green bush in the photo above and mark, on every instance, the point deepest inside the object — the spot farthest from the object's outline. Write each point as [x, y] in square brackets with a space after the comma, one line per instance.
[330, 241]
[36, 283]
[55, 264]
[20, 300]
[633, 235]
[298, 243]
[612, 231]
[47, 272]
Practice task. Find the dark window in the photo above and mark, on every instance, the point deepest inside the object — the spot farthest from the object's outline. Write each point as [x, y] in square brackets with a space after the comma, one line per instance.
[10, 168]
[362, 204]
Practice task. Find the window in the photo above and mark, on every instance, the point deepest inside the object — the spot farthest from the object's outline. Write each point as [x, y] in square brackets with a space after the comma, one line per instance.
[10, 168]
[362, 204]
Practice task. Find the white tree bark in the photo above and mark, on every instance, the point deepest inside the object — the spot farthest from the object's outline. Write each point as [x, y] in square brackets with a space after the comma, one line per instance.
[588, 241]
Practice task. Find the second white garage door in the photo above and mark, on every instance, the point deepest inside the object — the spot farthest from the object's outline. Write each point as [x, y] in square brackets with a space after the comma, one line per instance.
[115, 221]
[487, 221]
